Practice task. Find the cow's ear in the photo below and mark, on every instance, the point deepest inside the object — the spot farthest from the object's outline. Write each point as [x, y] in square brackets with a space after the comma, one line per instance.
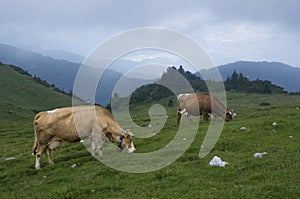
[126, 135]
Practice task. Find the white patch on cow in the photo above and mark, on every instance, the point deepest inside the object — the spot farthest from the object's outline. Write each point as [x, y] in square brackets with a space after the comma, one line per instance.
[179, 96]
[211, 116]
[184, 95]
[185, 113]
[37, 164]
[51, 112]
[182, 112]
[132, 149]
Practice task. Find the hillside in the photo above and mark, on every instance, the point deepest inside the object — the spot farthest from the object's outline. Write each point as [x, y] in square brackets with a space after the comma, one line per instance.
[278, 73]
[62, 73]
[272, 176]
[21, 96]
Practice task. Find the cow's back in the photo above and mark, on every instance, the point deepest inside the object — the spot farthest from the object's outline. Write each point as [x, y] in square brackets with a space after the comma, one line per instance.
[54, 125]
[204, 101]
[73, 123]
[195, 103]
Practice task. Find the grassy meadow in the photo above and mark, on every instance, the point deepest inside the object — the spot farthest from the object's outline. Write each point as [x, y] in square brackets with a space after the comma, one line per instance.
[275, 175]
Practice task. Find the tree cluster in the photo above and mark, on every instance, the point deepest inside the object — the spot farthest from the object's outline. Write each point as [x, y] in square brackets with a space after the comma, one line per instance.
[240, 83]
[172, 81]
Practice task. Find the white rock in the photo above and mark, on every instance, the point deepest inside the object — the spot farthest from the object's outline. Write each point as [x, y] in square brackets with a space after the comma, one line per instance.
[243, 128]
[274, 124]
[216, 161]
[74, 165]
[259, 155]
[12, 158]
[290, 136]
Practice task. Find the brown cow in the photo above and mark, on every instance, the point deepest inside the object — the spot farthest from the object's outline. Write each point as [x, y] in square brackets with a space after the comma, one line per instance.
[74, 124]
[201, 104]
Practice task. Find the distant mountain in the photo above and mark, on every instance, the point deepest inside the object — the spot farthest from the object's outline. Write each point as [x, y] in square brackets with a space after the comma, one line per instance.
[62, 73]
[279, 74]
[58, 72]
[63, 55]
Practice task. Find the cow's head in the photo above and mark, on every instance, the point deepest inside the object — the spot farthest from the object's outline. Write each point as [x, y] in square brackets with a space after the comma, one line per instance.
[229, 115]
[125, 141]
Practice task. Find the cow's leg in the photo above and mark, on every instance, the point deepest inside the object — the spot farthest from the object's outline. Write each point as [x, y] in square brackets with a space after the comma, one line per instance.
[48, 155]
[178, 117]
[100, 148]
[93, 147]
[187, 114]
[212, 117]
[52, 146]
[40, 150]
[189, 117]
[97, 141]
[205, 116]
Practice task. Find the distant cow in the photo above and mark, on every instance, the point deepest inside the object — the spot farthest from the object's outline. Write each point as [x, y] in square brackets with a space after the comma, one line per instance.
[201, 104]
[53, 127]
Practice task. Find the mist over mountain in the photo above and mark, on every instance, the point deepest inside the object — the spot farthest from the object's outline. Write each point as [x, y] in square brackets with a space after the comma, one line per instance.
[63, 55]
[62, 74]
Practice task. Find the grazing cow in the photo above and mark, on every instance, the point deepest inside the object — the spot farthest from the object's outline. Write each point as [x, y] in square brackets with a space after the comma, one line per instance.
[74, 124]
[201, 104]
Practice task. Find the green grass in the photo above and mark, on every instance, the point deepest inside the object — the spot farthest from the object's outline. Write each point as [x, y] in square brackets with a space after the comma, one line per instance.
[276, 175]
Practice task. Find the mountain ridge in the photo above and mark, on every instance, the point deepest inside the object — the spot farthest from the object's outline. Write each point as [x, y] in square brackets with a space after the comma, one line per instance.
[278, 73]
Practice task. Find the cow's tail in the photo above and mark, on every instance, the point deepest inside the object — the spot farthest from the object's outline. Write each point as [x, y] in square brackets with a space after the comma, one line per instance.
[178, 117]
[35, 144]
[34, 147]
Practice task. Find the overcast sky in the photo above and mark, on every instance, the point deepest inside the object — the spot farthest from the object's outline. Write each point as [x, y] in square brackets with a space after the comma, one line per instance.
[229, 30]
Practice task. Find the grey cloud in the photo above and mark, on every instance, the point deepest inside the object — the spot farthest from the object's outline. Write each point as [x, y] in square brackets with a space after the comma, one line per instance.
[136, 13]
[79, 25]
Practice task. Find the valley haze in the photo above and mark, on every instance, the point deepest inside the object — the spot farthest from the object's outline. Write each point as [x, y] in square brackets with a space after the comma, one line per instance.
[62, 72]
